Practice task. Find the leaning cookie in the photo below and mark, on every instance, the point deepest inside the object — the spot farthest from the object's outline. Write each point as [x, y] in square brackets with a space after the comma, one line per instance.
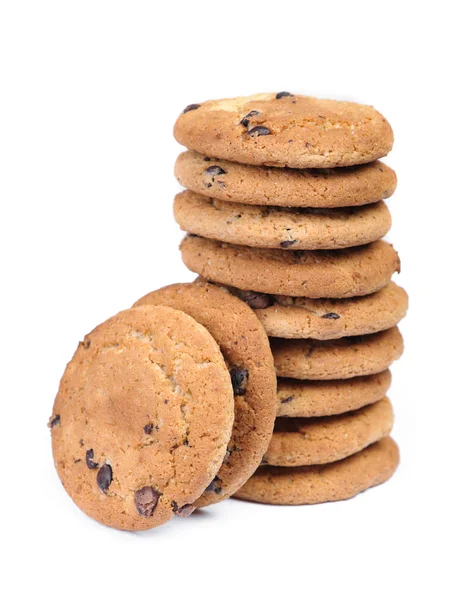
[298, 442]
[328, 318]
[323, 483]
[142, 419]
[285, 130]
[271, 186]
[337, 359]
[245, 347]
[303, 398]
[274, 227]
[311, 273]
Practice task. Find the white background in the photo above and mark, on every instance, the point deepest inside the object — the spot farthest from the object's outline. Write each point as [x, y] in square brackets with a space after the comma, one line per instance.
[89, 94]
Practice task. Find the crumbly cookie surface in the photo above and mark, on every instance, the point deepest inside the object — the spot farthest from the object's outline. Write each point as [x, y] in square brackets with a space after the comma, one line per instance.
[311, 273]
[276, 227]
[327, 318]
[323, 483]
[271, 186]
[142, 419]
[302, 398]
[297, 442]
[285, 129]
[337, 359]
[245, 347]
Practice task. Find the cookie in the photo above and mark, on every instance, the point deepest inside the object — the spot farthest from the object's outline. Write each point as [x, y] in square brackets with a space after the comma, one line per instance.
[271, 186]
[246, 349]
[302, 398]
[312, 273]
[319, 440]
[323, 483]
[287, 228]
[337, 359]
[142, 419]
[285, 130]
[327, 319]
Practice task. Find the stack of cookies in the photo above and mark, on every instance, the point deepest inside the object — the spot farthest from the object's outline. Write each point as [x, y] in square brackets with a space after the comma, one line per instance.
[284, 208]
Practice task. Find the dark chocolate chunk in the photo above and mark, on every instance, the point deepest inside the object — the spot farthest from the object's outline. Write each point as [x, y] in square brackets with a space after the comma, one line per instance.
[146, 500]
[55, 420]
[331, 315]
[214, 485]
[190, 107]
[89, 459]
[148, 428]
[245, 120]
[104, 478]
[239, 380]
[183, 511]
[214, 170]
[259, 130]
[285, 400]
[283, 95]
[288, 243]
[256, 299]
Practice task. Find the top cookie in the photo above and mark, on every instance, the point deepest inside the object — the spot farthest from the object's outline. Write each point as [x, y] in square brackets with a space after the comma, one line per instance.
[142, 418]
[285, 130]
[246, 349]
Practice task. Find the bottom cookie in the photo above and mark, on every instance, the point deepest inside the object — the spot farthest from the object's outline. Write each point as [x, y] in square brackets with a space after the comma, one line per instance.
[327, 483]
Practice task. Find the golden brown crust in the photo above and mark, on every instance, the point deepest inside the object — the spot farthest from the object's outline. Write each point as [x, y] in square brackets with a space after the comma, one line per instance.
[245, 346]
[297, 442]
[273, 186]
[295, 131]
[273, 227]
[323, 483]
[142, 418]
[303, 398]
[315, 274]
[337, 359]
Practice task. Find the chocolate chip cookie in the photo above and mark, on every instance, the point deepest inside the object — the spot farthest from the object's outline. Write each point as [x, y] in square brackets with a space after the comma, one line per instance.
[142, 419]
[271, 186]
[285, 130]
[276, 227]
[245, 346]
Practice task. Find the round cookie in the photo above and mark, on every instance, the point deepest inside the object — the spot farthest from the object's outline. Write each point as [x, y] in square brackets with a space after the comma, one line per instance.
[271, 186]
[285, 130]
[337, 359]
[274, 227]
[302, 398]
[298, 442]
[245, 347]
[312, 273]
[323, 483]
[328, 318]
[142, 419]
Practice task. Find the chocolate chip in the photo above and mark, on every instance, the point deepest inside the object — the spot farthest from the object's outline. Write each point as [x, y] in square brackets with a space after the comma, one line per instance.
[288, 243]
[330, 315]
[183, 511]
[148, 428]
[285, 400]
[245, 120]
[89, 459]
[146, 500]
[214, 170]
[55, 420]
[214, 486]
[239, 379]
[259, 130]
[282, 95]
[104, 478]
[256, 300]
[190, 107]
